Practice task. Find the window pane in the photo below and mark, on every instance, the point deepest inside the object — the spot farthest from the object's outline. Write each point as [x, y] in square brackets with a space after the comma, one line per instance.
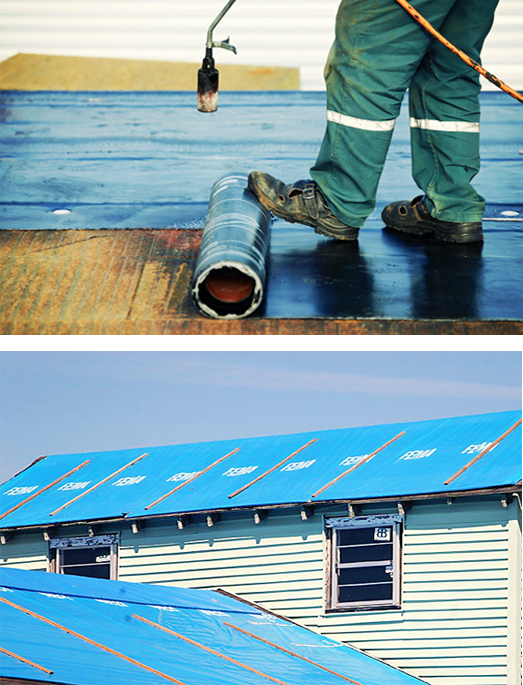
[83, 555]
[366, 535]
[364, 575]
[375, 552]
[365, 593]
[92, 571]
[94, 562]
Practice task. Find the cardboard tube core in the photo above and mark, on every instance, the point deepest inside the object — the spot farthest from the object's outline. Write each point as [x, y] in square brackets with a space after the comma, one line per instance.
[229, 284]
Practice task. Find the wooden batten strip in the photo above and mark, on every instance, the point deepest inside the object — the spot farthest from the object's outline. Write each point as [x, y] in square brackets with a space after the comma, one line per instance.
[26, 661]
[187, 482]
[288, 651]
[28, 499]
[209, 649]
[363, 461]
[485, 451]
[91, 642]
[104, 480]
[237, 492]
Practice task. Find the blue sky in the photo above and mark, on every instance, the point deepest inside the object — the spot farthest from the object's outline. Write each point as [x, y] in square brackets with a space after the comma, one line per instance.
[60, 402]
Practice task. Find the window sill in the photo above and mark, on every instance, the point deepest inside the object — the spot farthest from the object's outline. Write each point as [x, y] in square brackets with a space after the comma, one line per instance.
[363, 608]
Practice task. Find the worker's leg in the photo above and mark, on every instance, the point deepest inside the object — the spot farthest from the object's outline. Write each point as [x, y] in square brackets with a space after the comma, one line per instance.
[377, 50]
[444, 109]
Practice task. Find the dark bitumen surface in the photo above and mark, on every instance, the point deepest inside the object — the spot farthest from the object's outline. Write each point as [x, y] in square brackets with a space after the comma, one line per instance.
[120, 160]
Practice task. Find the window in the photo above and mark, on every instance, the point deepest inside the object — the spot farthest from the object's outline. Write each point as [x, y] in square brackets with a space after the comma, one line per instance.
[365, 562]
[95, 556]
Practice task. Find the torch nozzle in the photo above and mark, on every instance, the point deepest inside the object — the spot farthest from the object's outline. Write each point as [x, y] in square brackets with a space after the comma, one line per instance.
[208, 78]
[208, 74]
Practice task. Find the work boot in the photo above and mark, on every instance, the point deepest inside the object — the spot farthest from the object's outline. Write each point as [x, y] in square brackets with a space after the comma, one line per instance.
[301, 202]
[414, 217]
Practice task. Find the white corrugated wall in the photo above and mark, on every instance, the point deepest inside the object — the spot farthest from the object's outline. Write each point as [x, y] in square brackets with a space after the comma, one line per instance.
[294, 33]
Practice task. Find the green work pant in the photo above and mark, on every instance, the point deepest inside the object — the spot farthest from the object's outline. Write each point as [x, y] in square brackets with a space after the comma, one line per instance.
[380, 51]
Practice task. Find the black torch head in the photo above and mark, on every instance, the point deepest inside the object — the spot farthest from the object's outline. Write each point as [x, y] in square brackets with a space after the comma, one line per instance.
[208, 85]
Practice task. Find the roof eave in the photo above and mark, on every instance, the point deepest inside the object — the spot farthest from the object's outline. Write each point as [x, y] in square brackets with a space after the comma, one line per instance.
[445, 494]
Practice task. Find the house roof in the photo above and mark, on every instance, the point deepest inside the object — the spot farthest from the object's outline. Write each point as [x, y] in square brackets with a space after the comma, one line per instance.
[373, 462]
[85, 631]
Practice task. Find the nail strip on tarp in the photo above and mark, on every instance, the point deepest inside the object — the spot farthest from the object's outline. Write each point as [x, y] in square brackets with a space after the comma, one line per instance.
[83, 494]
[363, 461]
[288, 651]
[55, 482]
[187, 482]
[209, 649]
[485, 451]
[91, 642]
[26, 661]
[272, 469]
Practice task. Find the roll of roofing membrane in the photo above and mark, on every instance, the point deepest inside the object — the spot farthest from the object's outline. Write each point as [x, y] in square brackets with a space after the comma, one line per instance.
[229, 278]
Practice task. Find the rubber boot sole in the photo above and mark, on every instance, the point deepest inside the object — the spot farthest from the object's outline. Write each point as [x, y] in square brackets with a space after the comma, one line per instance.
[474, 236]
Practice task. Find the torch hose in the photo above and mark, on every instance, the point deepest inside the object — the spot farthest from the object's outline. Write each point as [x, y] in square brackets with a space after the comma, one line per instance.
[472, 63]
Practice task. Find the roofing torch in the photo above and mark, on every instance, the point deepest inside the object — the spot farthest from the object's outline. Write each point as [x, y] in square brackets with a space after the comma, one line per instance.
[208, 74]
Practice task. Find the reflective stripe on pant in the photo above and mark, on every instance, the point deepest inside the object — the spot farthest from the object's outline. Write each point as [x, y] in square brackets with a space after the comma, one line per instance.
[379, 51]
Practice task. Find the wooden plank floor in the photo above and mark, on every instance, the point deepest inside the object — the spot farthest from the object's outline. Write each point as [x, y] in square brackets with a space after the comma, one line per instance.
[93, 281]
[137, 282]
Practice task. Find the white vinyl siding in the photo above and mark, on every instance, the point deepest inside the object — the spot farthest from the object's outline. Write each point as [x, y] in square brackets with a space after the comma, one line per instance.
[460, 588]
[514, 603]
[25, 551]
[278, 563]
[295, 33]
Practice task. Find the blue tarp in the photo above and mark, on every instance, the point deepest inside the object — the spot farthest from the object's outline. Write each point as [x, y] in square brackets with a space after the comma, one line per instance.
[107, 613]
[420, 461]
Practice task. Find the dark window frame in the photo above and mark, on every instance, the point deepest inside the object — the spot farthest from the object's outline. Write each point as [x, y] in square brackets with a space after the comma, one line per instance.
[60, 546]
[333, 565]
